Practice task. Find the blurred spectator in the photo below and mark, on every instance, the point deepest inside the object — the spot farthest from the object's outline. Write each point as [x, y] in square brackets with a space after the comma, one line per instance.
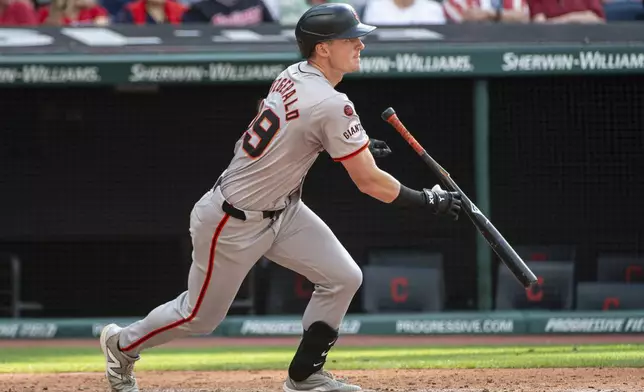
[623, 10]
[141, 12]
[403, 12]
[114, 7]
[513, 11]
[567, 11]
[291, 10]
[73, 12]
[17, 13]
[273, 8]
[228, 13]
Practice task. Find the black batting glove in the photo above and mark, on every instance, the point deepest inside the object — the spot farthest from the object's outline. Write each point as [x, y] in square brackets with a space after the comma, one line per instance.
[378, 148]
[443, 202]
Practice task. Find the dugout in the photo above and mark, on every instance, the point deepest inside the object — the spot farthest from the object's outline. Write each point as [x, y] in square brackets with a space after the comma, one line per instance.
[98, 180]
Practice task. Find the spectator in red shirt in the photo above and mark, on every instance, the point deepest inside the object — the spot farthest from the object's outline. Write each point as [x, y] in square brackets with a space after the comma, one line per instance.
[17, 13]
[567, 11]
[142, 12]
[73, 12]
[228, 12]
[462, 11]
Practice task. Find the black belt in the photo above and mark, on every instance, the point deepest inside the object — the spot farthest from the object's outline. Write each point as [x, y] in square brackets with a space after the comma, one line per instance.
[241, 215]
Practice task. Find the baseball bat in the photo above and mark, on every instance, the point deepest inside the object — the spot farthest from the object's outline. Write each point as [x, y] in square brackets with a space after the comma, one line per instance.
[496, 241]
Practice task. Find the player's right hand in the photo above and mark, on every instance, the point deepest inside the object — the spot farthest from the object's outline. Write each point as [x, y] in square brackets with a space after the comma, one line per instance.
[443, 202]
[378, 148]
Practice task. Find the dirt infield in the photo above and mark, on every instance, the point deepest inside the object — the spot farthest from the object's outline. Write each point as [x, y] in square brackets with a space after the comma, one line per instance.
[394, 380]
[470, 380]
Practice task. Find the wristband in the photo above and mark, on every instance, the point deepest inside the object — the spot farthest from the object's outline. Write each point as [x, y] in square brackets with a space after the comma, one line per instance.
[409, 197]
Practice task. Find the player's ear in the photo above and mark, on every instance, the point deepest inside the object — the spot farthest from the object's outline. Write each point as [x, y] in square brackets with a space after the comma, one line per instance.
[322, 49]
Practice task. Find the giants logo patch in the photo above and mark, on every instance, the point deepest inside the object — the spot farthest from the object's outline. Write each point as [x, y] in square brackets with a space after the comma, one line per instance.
[353, 130]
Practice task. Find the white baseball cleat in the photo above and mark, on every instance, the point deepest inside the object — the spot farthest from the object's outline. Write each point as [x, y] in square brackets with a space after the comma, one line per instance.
[118, 365]
[320, 381]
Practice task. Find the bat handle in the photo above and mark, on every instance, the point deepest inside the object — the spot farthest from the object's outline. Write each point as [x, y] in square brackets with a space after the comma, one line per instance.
[389, 115]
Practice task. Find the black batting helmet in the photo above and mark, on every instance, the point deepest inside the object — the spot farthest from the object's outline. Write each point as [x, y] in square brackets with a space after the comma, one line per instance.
[326, 22]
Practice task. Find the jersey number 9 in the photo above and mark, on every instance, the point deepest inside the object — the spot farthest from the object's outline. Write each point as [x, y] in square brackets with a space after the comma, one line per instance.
[265, 126]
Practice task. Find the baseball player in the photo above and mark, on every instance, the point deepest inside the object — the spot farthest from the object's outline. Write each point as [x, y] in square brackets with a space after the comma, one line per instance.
[255, 209]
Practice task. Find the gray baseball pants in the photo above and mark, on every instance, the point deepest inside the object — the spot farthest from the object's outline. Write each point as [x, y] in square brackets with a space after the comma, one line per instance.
[226, 248]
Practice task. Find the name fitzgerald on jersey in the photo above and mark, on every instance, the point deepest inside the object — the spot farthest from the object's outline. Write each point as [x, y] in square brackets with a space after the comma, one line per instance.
[353, 130]
[284, 87]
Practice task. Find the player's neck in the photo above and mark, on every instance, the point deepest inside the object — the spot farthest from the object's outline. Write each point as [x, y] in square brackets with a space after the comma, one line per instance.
[333, 76]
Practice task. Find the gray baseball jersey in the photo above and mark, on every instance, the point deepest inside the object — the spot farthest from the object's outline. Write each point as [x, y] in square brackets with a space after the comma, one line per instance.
[301, 116]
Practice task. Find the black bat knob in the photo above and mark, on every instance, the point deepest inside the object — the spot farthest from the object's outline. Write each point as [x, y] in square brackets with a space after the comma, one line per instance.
[387, 113]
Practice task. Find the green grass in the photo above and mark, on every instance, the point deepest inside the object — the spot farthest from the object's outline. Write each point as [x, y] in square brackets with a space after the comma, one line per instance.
[21, 360]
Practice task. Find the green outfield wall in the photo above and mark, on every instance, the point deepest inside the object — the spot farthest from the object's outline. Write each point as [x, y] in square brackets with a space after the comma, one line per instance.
[205, 54]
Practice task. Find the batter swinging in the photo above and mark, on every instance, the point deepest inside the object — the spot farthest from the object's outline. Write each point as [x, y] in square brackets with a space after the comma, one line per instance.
[255, 209]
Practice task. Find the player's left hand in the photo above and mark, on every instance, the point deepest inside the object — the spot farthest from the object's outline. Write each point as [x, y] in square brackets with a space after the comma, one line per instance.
[378, 148]
[444, 202]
